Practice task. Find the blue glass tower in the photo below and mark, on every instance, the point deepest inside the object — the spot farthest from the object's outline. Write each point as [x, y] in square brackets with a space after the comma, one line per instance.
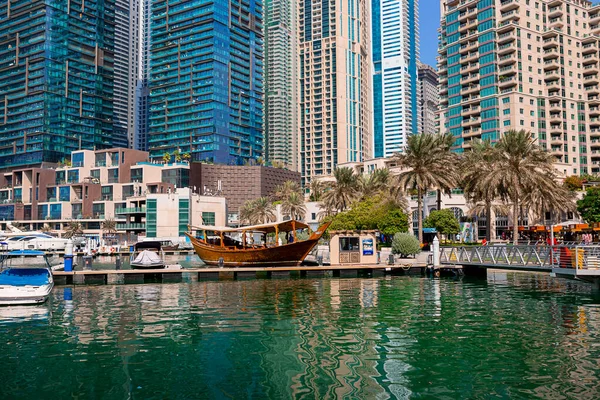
[395, 74]
[56, 79]
[206, 80]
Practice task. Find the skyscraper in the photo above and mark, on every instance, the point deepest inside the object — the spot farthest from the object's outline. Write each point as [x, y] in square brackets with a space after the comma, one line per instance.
[142, 91]
[529, 65]
[206, 80]
[428, 99]
[395, 86]
[281, 85]
[127, 65]
[335, 90]
[56, 79]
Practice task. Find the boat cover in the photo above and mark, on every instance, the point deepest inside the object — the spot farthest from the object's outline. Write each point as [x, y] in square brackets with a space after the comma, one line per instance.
[148, 257]
[24, 277]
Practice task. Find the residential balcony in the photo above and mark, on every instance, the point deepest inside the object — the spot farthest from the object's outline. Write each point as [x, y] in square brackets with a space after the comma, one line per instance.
[594, 17]
[557, 150]
[132, 226]
[593, 100]
[551, 64]
[556, 128]
[469, 78]
[594, 132]
[506, 26]
[471, 122]
[556, 118]
[507, 82]
[556, 139]
[471, 110]
[507, 59]
[510, 15]
[470, 67]
[553, 84]
[590, 79]
[556, 22]
[552, 75]
[594, 121]
[554, 92]
[594, 110]
[131, 210]
[590, 59]
[508, 70]
[590, 69]
[507, 5]
[469, 57]
[550, 42]
[506, 49]
[595, 143]
[473, 132]
[469, 89]
[592, 89]
[507, 37]
[555, 106]
[589, 48]
[551, 53]
[555, 11]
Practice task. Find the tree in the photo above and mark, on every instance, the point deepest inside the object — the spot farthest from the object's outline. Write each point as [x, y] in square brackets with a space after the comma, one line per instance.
[187, 157]
[392, 222]
[343, 192]
[523, 174]
[574, 183]
[166, 158]
[177, 155]
[443, 221]
[589, 206]
[74, 228]
[109, 226]
[474, 166]
[405, 244]
[284, 190]
[317, 188]
[427, 163]
[258, 211]
[293, 205]
[46, 228]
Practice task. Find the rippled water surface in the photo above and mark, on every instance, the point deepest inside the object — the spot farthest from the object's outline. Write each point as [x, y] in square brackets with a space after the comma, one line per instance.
[510, 336]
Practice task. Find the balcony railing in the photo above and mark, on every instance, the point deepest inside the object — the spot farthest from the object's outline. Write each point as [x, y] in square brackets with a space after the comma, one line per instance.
[134, 226]
[131, 210]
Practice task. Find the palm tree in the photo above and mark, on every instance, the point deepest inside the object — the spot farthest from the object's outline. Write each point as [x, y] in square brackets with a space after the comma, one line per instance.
[73, 229]
[46, 228]
[293, 205]
[374, 182]
[284, 190]
[166, 158]
[317, 188]
[427, 163]
[474, 167]
[523, 174]
[258, 211]
[343, 192]
[177, 155]
[109, 226]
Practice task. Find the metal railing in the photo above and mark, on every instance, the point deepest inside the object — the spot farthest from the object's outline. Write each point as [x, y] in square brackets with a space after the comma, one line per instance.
[542, 257]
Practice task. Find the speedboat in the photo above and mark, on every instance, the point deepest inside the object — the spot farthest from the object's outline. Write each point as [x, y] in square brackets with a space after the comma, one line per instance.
[146, 256]
[34, 241]
[20, 286]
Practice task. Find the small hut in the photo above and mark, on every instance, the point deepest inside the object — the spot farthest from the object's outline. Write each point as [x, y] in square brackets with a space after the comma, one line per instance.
[353, 247]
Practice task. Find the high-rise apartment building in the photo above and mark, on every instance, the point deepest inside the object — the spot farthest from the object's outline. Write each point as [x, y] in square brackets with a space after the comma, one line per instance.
[428, 99]
[127, 66]
[206, 80]
[281, 82]
[395, 84]
[532, 65]
[56, 79]
[335, 90]
[142, 91]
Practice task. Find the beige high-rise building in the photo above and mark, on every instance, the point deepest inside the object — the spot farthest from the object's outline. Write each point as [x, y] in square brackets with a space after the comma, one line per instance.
[335, 88]
[523, 64]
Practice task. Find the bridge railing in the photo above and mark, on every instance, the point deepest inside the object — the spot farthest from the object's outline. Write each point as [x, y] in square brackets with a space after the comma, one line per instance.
[524, 256]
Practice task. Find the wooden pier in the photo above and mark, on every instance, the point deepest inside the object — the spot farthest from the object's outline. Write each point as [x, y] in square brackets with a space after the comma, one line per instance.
[166, 275]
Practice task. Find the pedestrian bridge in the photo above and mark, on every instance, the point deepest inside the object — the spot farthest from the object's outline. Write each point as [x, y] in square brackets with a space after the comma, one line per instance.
[574, 261]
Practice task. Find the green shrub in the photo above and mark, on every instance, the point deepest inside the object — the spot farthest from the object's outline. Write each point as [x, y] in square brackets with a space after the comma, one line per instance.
[405, 244]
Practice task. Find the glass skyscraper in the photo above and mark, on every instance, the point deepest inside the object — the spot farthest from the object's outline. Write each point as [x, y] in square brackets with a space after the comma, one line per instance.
[56, 79]
[206, 80]
[395, 74]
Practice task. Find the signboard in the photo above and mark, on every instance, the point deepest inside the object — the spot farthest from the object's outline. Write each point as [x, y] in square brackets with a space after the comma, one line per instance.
[367, 247]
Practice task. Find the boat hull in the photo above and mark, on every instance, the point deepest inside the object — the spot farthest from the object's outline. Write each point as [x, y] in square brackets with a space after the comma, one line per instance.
[286, 255]
[24, 295]
[147, 266]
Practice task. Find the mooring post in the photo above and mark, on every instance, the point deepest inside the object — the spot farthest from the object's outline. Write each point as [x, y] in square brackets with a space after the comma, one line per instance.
[68, 256]
[436, 252]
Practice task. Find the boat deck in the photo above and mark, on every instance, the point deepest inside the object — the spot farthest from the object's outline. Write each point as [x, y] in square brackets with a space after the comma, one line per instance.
[177, 275]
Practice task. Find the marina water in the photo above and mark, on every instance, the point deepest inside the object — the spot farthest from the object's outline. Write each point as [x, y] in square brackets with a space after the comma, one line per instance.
[510, 336]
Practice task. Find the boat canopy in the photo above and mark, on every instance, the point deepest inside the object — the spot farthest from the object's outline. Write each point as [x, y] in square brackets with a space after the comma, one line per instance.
[19, 253]
[24, 277]
[284, 226]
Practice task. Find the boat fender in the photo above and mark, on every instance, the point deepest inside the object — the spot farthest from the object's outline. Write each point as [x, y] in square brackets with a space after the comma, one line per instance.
[112, 250]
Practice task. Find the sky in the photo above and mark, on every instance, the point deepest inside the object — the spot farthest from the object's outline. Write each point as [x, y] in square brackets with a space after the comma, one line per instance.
[429, 22]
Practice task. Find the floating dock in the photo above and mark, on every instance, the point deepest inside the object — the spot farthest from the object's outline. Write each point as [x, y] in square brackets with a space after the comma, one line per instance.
[83, 277]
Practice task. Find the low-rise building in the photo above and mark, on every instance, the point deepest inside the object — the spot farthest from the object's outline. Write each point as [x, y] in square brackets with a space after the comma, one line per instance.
[98, 185]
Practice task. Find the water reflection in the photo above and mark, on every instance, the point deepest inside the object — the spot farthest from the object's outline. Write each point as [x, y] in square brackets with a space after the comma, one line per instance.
[514, 335]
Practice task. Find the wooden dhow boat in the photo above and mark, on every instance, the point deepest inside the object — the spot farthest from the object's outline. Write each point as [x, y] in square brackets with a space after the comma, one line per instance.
[254, 246]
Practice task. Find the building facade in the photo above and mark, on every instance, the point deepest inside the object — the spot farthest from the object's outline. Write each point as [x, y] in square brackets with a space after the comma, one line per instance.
[428, 99]
[396, 93]
[238, 184]
[127, 69]
[281, 82]
[206, 80]
[534, 66]
[56, 79]
[335, 88]
[118, 183]
[142, 90]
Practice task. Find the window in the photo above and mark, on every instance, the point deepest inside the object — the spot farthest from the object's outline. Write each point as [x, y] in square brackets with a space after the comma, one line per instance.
[208, 218]
[151, 218]
[184, 215]
[64, 193]
[107, 193]
[349, 244]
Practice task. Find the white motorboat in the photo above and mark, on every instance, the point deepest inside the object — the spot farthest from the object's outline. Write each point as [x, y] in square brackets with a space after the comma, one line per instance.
[20, 286]
[34, 241]
[146, 256]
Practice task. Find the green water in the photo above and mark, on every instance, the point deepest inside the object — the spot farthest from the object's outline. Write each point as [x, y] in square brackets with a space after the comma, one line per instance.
[510, 336]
